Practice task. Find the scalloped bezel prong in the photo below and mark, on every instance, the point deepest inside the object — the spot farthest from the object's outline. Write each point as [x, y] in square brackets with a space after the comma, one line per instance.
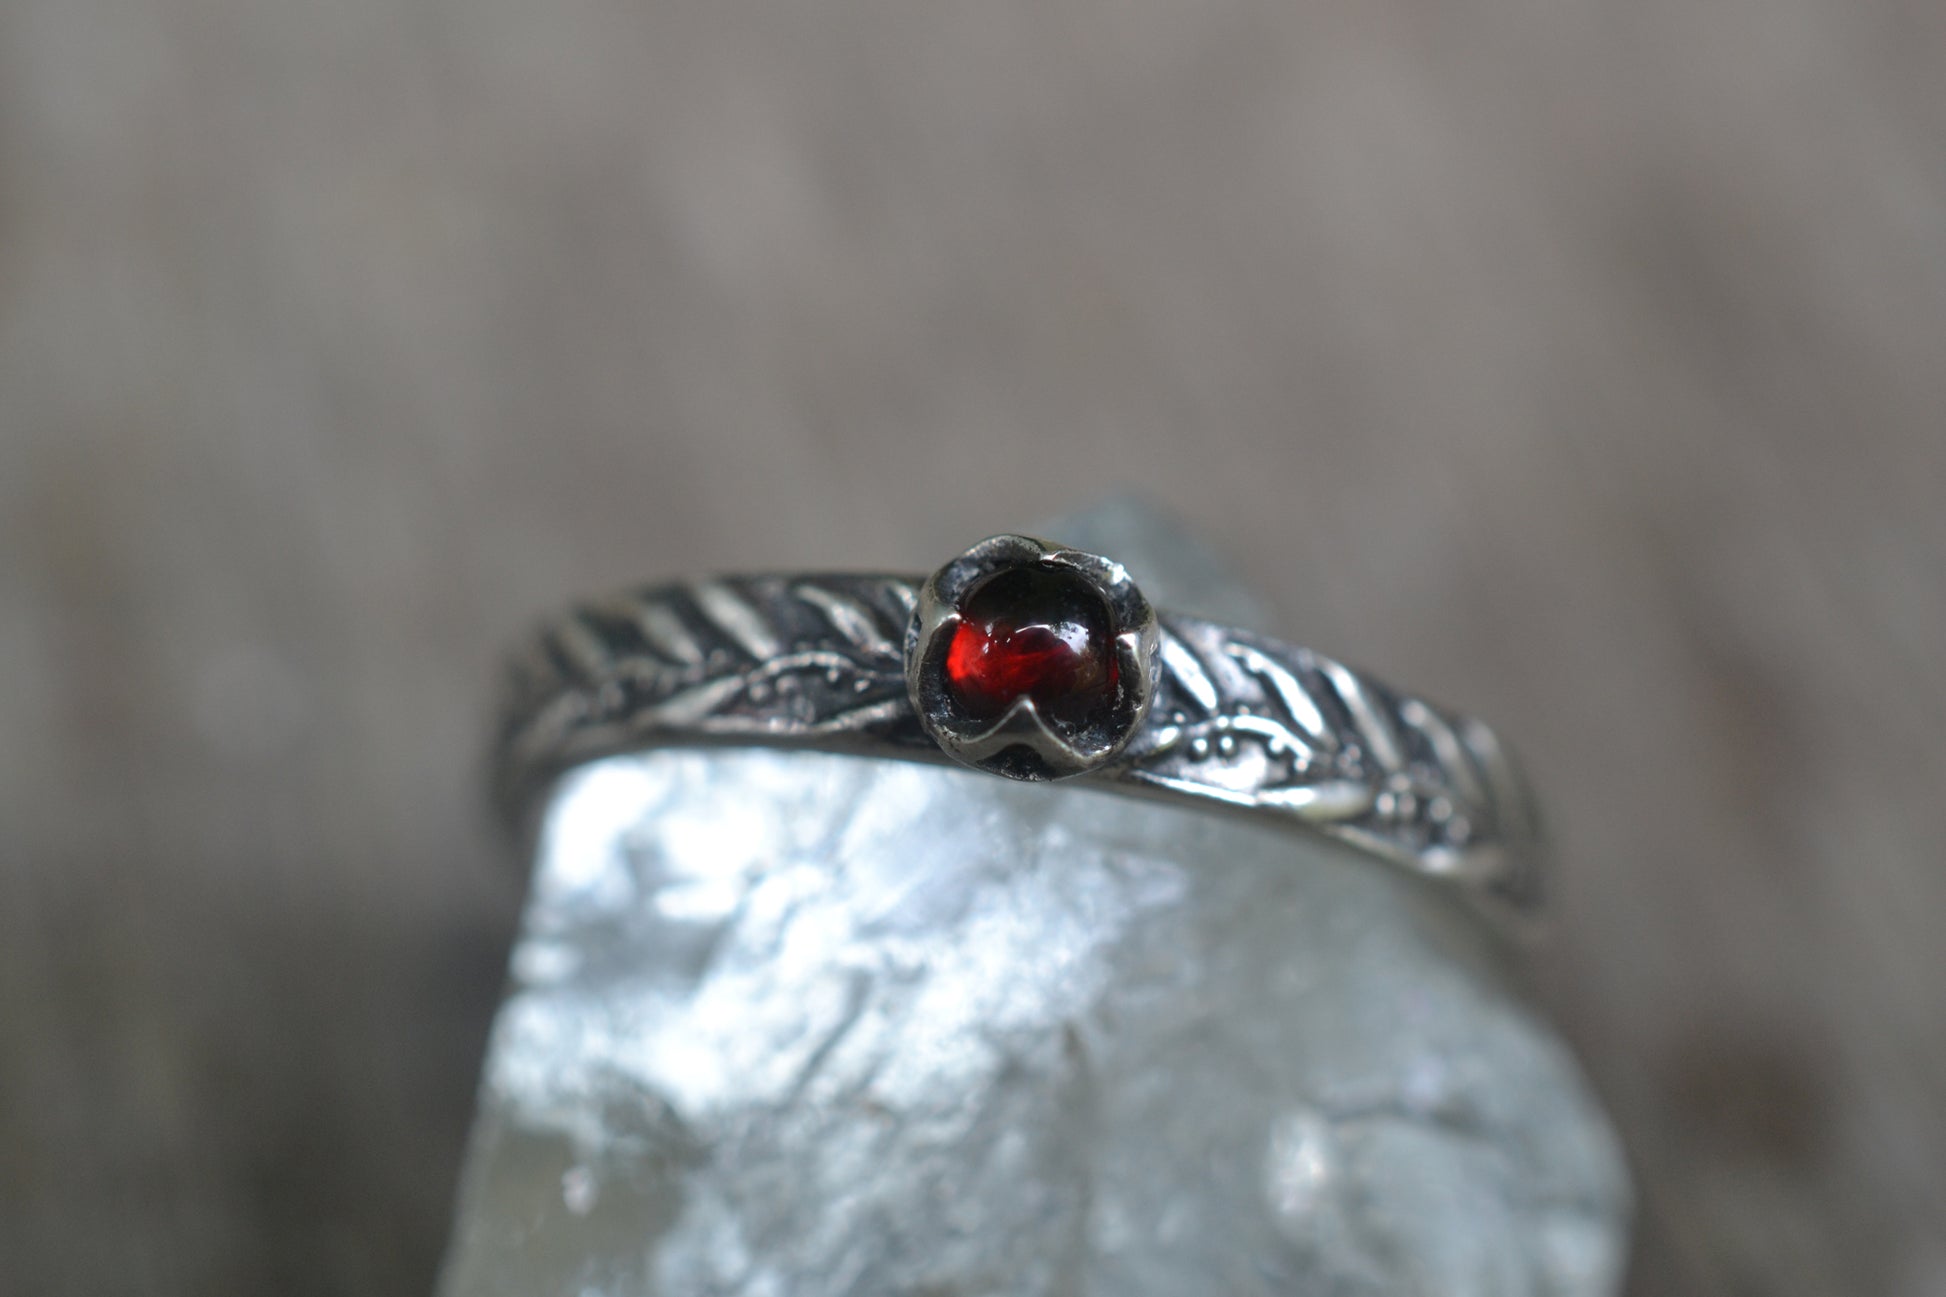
[1022, 743]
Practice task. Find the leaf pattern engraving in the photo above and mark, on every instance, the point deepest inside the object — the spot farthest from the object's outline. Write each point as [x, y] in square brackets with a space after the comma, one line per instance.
[1237, 719]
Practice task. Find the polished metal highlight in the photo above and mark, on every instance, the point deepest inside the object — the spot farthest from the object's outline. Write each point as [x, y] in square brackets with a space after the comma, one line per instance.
[848, 663]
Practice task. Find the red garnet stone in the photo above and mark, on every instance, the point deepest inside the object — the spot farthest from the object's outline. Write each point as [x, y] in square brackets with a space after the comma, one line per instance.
[1041, 633]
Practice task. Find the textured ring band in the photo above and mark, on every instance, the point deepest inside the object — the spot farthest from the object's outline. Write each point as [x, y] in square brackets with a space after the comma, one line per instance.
[1034, 662]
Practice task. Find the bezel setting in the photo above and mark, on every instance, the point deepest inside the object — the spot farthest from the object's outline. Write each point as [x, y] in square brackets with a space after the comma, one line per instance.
[1023, 742]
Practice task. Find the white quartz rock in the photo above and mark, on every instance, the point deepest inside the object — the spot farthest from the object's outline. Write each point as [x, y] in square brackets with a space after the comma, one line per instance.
[809, 1025]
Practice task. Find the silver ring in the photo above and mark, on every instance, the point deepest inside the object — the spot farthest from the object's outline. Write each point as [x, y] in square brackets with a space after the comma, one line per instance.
[1034, 662]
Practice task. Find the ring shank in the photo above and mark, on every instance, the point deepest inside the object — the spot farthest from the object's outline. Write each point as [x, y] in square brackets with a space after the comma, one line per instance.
[1239, 721]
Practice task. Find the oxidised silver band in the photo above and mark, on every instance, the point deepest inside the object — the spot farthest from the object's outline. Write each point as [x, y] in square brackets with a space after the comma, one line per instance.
[1226, 718]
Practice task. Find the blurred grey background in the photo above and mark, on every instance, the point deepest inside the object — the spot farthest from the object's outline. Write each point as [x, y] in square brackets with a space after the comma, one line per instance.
[1582, 362]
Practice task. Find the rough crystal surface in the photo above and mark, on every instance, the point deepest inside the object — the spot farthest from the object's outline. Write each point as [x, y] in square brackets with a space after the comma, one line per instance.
[785, 1024]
